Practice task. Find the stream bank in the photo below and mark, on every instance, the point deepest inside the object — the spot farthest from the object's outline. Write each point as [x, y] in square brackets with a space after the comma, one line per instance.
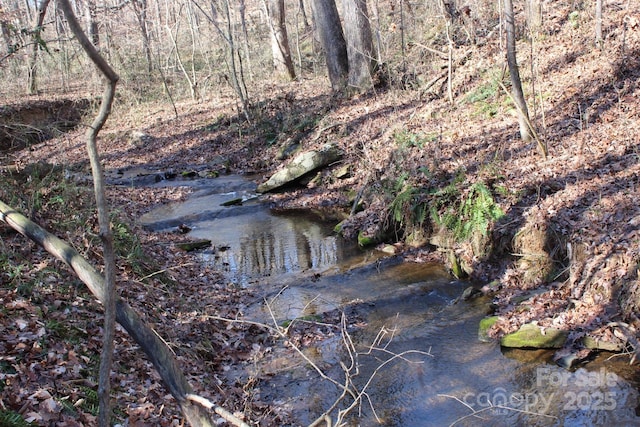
[414, 340]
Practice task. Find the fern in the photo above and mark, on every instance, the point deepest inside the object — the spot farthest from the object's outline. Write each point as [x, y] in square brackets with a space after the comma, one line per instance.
[477, 211]
[470, 215]
[408, 207]
[12, 419]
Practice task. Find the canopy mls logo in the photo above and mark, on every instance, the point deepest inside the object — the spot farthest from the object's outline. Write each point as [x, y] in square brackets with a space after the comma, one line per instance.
[501, 402]
[546, 376]
[581, 390]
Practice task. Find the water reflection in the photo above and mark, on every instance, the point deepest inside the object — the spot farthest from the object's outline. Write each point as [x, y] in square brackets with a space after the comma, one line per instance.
[303, 269]
[270, 246]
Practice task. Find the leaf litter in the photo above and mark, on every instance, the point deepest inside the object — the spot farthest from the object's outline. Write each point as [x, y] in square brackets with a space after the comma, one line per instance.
[584, 196]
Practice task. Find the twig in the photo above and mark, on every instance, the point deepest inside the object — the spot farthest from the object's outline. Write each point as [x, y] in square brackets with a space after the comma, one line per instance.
[228, 416]
[429, 49]
[164, 270]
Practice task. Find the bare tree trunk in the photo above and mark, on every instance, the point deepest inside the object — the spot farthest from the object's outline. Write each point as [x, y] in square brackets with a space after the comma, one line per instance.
[282, 62]
[6, 37]
[514, 73]
[140, 9]
[62, 43]
[325, 14]
[599, 23]
[360, 52]
[27, 7]
[92, 23]
[235, 67]
[106, 358]
[533, 12]
[38, 43]
[236, 76]
[305, 20]
[193, 84]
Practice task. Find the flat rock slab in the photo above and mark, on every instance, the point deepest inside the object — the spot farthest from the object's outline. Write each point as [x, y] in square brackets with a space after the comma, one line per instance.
[301, 165]
[533, 336]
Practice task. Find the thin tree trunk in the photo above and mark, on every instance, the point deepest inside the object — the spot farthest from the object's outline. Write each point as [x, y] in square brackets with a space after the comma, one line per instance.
[140, 9]
[533, 11]
[106, 359]
[92, 24]
[514, 73]
[235, 69]
[6, 36]
[282, 62]
[242, 9]
[27, 7]
[192, 83]
[32, 85]
[236, 77]
[599, 23]
[305, 20]
[62, 43]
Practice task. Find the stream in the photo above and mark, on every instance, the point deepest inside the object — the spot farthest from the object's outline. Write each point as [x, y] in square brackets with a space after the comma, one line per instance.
[413, 341]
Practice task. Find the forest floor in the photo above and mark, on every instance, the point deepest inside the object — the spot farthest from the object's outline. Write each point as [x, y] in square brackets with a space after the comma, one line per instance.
[576, 209]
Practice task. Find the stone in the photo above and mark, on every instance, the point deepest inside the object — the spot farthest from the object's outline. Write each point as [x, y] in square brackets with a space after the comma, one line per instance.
[485, 325]
[343, 172]
[533, 336]
[233, 202]
[301, 165]
[388, 249]
[194, 245]
[595, 344]
[365, 240]
[139, 139]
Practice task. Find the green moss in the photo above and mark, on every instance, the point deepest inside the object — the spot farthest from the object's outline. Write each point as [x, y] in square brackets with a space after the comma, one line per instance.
[485, 325]
[365, 241]
[456, 268]
[406, 139]
[533, 336]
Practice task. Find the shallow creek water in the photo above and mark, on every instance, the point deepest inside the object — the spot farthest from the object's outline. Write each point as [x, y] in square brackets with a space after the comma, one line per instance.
[303, 270]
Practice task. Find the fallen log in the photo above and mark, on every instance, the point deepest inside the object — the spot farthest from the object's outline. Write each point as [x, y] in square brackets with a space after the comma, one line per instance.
[148, 340]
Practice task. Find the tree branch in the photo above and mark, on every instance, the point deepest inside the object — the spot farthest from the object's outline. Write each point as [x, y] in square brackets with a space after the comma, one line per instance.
[154, 347]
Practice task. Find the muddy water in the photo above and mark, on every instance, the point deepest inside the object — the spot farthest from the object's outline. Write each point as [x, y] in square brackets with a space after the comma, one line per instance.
[445, 374]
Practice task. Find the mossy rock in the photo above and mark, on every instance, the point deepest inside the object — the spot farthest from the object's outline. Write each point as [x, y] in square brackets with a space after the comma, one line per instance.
[485, 325]
[595, 344]
[416, 237]
[533, 336]
[343, 172]
[365, 241]
[456, 267]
